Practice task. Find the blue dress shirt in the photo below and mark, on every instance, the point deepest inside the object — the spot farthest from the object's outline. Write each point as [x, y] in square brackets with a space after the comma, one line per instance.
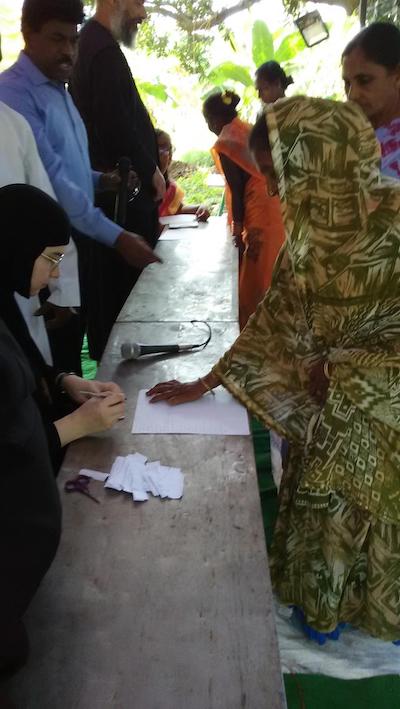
[62, 143]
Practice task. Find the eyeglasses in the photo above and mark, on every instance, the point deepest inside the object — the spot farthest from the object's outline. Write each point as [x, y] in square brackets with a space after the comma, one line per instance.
[166, 151]
[55, 261]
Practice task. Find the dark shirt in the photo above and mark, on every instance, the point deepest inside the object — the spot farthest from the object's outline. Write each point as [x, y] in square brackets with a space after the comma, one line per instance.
[116, 119]
[236, 178]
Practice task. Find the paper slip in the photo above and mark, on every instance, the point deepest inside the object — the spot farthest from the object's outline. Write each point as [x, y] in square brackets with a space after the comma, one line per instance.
[123, 472]
[133, 475]
[94, 474]
[167, 482]
[218, 415]
[180, 220]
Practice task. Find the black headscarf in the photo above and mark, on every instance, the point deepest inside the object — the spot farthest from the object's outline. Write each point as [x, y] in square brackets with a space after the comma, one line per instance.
[30, 221]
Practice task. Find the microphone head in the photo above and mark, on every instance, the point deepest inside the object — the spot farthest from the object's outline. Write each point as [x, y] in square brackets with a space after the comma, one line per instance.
[124, 165]
[130, 350]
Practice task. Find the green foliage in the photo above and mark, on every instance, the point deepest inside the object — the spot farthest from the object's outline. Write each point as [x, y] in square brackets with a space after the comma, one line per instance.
[384, 11]
[197, 191]
[150, 40]
[200, 158]
[265, 47]
[289, 48]
[228, 71]
[192, 52]
[263, 43]
[159, 91]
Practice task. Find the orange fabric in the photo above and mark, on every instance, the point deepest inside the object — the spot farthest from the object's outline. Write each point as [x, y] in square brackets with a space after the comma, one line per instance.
[263, 233]
[172, 201]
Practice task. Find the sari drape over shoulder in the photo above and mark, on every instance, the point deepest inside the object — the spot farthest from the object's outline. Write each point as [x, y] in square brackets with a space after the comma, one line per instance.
[172, 201]
[334, 296]
[263, 228]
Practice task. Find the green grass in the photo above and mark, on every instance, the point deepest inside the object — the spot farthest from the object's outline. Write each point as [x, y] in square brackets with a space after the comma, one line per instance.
[198, 192]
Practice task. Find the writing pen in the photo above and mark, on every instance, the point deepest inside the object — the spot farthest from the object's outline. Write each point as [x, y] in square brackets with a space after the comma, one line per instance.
[100, 395]
[96, 395]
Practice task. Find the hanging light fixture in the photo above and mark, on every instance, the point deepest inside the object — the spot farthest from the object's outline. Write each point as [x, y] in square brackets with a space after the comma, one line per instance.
[312, 28]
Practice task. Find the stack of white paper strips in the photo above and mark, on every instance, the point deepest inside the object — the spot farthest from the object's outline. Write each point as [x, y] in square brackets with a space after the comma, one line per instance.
[134, 474]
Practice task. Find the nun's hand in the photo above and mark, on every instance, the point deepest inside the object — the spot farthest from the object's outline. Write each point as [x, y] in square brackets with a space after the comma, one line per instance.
[81, 390]
[55, 316]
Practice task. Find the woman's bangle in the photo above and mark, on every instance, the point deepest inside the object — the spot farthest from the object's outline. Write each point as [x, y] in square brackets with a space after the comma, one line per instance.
[327, 371]
[60, 378]
[205, 385]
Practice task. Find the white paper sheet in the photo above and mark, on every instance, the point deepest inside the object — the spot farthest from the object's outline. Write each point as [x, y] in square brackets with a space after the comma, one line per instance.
[180, 220]
[177, 234]
[94, 474]
[218, 415]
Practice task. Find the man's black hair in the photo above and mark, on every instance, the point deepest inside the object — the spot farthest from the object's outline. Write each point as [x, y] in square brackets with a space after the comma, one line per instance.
[35, 13]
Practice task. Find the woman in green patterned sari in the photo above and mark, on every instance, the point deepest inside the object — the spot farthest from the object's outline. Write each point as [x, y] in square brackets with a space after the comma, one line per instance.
[333, 309]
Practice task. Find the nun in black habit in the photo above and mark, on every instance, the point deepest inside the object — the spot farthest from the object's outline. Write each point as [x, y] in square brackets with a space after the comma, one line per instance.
[35, 232]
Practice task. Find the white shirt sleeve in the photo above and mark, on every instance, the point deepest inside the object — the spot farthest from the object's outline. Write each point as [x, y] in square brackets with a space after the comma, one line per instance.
[64, 290]
[20, 164]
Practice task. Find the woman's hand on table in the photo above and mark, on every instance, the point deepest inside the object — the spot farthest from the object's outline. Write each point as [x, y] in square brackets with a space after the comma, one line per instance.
[100, 414]
[97, 414]
[81, 390]
[175, 392]
[202, 213]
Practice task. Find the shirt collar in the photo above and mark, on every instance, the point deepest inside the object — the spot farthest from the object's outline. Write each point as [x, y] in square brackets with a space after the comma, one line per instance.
[31, 71]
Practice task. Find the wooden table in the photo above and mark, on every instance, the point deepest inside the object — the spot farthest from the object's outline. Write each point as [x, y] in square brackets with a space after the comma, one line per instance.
[164, 604]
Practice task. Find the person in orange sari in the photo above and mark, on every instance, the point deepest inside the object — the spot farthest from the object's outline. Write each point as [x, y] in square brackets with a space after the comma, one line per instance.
[253, 214]
[173, 198]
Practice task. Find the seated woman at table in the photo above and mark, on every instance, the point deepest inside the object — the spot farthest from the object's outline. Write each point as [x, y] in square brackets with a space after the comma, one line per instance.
[36, 231]
[253, 214]
[173, 199]
[271, 82]
[371, 75]
[320, 363]
[30, 512]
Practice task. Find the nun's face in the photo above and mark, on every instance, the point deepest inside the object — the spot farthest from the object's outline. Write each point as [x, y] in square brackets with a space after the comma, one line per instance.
[45, 267]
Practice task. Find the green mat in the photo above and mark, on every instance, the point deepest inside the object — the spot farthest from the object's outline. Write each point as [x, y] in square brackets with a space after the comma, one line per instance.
[89, 366]
[317, 691]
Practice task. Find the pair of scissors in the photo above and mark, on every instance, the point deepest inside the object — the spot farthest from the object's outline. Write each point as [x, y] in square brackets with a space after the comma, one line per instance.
[80, 484]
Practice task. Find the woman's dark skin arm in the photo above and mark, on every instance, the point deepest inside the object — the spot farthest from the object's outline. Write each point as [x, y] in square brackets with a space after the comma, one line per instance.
[236, 179]
[174, 392]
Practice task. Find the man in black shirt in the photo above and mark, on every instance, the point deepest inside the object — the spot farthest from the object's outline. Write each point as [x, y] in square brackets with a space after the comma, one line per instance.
[118, 125]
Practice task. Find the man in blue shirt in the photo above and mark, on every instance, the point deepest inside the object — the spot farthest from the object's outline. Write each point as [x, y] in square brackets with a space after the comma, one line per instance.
[35, 87]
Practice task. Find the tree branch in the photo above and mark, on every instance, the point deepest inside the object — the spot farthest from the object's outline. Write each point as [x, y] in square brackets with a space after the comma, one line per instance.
[189, 24]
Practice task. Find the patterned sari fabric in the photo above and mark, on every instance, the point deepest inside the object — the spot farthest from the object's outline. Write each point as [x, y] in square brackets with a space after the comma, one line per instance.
[389, 138]
[172, 201]
[263, 228]
[334, 296]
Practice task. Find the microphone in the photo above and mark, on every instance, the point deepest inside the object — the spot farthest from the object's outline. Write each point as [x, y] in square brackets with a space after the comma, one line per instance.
[121, 202]
[134, 350]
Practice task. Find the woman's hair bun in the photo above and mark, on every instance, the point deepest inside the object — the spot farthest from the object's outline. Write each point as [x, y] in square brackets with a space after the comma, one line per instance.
[289, 80]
